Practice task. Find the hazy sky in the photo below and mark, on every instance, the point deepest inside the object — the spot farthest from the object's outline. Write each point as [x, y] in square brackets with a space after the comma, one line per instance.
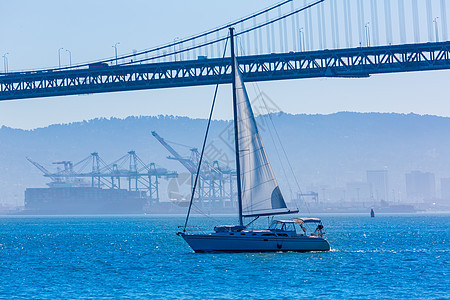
[32, 31]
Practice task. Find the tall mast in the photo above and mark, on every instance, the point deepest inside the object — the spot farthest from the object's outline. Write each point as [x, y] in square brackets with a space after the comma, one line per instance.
[236, 134]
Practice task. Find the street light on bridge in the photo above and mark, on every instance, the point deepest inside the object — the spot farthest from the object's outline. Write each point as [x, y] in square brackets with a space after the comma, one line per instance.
[302, 40]
[436, 28]
[70, 57]
[59, 57]
[367, 34]
[5, 62]
[115, 50]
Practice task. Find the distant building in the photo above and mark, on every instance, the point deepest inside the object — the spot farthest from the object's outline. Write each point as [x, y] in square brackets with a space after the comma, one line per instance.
[379, 187]
[445, 188]
[358, 192]
[420, 186]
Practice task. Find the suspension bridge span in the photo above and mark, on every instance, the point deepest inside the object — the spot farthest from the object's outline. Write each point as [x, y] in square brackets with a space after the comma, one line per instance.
[293, 39]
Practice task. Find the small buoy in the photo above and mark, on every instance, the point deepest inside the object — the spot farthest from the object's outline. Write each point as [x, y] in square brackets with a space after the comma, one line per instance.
[372, 213]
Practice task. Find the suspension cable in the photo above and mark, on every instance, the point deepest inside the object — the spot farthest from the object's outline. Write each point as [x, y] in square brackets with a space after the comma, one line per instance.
[192, 38]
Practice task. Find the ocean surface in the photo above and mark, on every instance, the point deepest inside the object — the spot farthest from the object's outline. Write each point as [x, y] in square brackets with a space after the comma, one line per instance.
[387, 257]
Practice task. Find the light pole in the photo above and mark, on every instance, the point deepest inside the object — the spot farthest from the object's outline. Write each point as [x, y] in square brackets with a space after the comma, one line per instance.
[5, 62]
[367, 34]
[70, 57]
[302, 39]
[59, 57]
[436, 28]
[115, 50]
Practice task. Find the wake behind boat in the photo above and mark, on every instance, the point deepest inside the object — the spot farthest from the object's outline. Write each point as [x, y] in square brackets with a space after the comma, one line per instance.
[258, 193]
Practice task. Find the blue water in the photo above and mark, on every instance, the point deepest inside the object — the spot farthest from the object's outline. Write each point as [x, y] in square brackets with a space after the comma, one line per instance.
[388, 257]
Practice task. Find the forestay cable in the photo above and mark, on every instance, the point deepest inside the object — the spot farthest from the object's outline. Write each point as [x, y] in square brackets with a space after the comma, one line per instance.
[204, 145]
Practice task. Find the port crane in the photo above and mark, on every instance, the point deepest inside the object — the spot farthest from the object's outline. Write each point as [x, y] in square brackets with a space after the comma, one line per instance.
[129, 172]
[44, 170]
[215, 181]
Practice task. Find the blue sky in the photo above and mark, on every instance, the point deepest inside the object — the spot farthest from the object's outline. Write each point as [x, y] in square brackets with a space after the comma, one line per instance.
[32, 32]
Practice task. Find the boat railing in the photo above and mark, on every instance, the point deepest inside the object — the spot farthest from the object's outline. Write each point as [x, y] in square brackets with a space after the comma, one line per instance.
[196, 229]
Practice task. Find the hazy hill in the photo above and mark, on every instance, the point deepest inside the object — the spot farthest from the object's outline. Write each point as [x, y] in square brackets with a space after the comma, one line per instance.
[323, 149]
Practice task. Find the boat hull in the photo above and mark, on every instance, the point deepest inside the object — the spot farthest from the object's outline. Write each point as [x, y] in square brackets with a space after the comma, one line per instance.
[238, 243]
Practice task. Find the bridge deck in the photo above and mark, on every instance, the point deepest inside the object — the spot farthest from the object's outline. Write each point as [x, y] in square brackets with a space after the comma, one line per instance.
[354, 62]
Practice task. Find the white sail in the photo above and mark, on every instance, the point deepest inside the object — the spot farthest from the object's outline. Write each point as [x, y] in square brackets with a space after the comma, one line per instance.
[260, 192]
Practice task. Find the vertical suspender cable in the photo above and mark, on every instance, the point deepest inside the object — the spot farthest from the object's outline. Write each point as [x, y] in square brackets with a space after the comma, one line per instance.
[218, 45]
[310, 29]
[294, 30]
[374, 17]
[322, 9]
[347, 29]
[306, 30]
[350, 28]
[297, 30]
[430, 21]
[388, 21]
[333, 31]
[402, 20]
[363, 22]
[336, 23]
[319, 27]
[360, 23]
[286, 40]
[415, 11]
[273, 38]
[268, 34]
[260, 50]
[255, 35]
[280, 25]
[245, 40]
[444, 21]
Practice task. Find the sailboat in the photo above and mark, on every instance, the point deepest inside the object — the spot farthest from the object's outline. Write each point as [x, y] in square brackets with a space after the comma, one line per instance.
[258, 194]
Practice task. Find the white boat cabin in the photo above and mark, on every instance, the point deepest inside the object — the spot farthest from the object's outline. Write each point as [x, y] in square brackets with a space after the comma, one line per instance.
[278, 228]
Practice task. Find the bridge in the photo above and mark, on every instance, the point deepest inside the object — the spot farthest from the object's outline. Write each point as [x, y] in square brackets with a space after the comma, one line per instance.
[303, 47]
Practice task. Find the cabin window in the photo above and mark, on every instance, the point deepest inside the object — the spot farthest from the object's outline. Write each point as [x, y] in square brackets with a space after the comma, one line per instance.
[242, 233]
[268, 234]
[282, 234]
[290, 227]
[231, 233]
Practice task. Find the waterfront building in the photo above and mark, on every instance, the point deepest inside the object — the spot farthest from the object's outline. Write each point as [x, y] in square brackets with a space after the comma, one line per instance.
[379, 186]
[420, 186]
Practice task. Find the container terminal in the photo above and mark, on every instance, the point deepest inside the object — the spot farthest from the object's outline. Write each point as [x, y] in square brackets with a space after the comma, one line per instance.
[92, 186]
[128, 185]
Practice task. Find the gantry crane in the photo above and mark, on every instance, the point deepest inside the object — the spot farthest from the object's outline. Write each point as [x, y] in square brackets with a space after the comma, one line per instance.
[212, 184]
[139, 176]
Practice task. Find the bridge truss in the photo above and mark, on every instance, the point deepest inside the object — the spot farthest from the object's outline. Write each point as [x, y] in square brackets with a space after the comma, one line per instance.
[355, 62]
[285, 41]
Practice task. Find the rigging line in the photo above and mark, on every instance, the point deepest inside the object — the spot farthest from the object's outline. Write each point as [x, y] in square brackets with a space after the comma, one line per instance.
[256, 86]
[200, 211]
[204, 145]
[286, 156]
